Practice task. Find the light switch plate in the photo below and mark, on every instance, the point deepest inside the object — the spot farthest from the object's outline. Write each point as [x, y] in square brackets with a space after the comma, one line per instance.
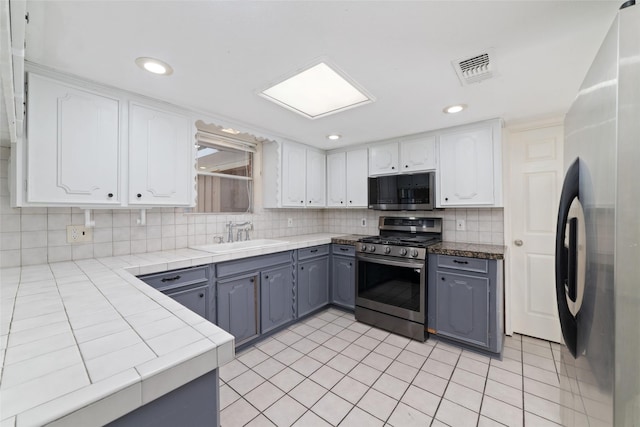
[461, 225]
[79, 234]
[289, 222]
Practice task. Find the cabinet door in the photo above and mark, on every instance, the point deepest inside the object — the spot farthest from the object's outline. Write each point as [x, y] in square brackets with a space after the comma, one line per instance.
[237, 306]
[276, 300]
[316, 179]
[418, 155]
[466, 168]
[73, 145]
[462, 307]
[195, 299]
[336, 179]
[313, 289]
[343, 282]
[161, 162]
[293, 175]
[357, 176]
[383, 159]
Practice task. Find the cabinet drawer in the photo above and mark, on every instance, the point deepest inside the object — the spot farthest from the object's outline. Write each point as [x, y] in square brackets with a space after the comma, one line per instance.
[176, 278]
[345, 250]
[248, 265]
[313, 251]
[463, 263]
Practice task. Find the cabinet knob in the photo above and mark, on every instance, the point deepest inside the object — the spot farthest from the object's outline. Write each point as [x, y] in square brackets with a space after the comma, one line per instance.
[201, 295]
[309, 201]
[442, 278]
[350, 264]
[110, 195]
[301, 268]
[393, 167]
[518, 242]
[266, 277]
[139, 196]
[341, 202]
[301, 201]
[350, 201]
[406, 166]
[251, 280]
[446, 199]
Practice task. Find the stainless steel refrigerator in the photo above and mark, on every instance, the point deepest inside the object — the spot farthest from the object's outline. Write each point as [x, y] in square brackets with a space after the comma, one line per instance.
[598, 237]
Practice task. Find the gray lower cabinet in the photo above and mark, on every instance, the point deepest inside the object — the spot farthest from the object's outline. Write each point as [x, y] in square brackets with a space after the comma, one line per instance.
[343, 276]
[313, 280]
[276, 297]
[191, 287]
[237, 302]
[465, 300]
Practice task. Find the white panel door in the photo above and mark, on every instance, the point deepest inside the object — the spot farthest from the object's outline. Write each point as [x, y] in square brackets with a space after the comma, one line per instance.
[418, 155]
[161, 163]
[336, 179]
[466, 168]
[383, 159]
[535, 158]
[357, 177]
[316, 179]
[73, 145]
[293, 175]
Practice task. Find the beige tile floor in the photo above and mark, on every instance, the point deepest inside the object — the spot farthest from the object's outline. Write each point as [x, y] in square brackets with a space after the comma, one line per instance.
[330, 370]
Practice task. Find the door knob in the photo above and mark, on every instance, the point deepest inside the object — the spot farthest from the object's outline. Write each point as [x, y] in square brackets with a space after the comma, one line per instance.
[518, 242]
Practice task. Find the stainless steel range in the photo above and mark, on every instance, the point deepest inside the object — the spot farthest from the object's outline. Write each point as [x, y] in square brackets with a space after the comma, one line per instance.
[391, 271]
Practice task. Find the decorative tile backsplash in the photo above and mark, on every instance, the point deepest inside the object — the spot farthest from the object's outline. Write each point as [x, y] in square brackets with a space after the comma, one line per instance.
[31, 236]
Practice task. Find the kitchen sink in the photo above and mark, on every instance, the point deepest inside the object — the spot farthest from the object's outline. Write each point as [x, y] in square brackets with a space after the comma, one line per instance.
[222, 248]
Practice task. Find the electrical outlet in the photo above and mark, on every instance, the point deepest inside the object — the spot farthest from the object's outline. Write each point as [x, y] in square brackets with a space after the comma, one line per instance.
[289, 222]
[363, 222]
[79, 234]
[461, 225]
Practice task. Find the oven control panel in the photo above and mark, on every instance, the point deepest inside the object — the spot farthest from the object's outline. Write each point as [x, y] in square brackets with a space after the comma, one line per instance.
[392, 251]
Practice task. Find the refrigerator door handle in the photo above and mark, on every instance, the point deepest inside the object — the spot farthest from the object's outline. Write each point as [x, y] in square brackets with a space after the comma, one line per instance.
[566, 257]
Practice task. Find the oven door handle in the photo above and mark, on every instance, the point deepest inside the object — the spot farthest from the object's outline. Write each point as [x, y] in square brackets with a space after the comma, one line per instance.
[386, 261]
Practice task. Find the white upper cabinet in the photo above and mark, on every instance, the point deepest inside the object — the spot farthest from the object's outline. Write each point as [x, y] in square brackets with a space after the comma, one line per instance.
[336, 180]
[316, 179]
[470, 168]
[94, 147]
[293, 176]
[347, 179]
[418, 154]
[383, 159]
[294, 183]
[73, 145]
[161, 166]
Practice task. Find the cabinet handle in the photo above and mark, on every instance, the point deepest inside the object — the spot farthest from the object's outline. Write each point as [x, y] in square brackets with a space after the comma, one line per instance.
[201, 295]
[139, 196]
[171, 279]
[110, 195]
[313, 251]
[460, 262]
[344, 249]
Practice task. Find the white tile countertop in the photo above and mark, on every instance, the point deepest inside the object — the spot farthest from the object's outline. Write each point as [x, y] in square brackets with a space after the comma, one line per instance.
[85, 342]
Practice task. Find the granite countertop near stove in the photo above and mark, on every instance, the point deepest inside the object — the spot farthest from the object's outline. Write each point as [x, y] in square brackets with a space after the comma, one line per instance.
[471, 250]
[349, 239]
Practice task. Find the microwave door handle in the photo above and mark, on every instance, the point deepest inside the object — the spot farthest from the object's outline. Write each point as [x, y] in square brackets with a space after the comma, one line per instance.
[565, 271]
[572, 262]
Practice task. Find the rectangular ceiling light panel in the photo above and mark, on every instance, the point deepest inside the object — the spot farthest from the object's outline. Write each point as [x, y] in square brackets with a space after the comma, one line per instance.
[316, 92]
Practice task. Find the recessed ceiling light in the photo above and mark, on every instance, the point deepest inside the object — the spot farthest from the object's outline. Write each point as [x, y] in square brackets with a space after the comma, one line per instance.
[334, 137]
[203, 167]
[154, 66]
[230, 130]
[317, 92]
[452, 109]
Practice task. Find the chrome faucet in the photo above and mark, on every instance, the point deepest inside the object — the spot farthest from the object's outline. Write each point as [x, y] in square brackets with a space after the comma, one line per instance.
[248, 225]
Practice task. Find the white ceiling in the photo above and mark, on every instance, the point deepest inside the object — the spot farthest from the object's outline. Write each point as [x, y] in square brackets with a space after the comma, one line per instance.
[223, 52]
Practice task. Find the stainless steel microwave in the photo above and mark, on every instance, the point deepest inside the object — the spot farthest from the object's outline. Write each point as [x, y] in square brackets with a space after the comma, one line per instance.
[406, 192]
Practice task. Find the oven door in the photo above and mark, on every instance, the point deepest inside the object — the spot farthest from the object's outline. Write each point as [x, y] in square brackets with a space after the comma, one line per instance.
[392, 286]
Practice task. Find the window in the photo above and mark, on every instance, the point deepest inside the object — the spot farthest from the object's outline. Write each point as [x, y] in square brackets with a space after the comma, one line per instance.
[225, 172]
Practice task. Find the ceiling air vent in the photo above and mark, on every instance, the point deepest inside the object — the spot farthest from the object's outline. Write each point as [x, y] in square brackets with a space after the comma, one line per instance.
[476, 68]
